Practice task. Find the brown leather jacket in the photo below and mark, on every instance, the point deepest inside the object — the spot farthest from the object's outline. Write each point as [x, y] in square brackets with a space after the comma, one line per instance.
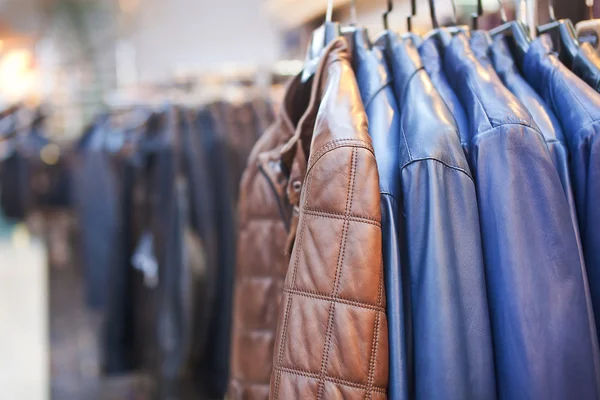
[332, 332]
[264, 221]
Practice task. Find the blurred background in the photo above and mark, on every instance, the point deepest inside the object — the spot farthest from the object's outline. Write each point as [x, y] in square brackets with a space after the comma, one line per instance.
[85, 88]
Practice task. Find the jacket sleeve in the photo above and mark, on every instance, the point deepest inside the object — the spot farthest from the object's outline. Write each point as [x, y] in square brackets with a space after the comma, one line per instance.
[543, 330]
[450, 318]
[332, 332]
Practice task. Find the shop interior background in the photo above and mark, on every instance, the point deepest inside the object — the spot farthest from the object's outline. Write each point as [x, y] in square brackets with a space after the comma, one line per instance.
[77, 58]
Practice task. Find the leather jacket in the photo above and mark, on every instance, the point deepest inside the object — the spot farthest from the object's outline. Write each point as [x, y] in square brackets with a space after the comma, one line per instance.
[586, 65]
[536, 287]
[332, 335]
[442, 238]
[542, 114]
[264, 223]
[375, 86]
[577, 106]
[431, 51]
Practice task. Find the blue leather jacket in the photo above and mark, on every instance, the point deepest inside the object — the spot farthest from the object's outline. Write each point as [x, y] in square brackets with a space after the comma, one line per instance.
[431, 51]
[586, 65]
[536, 288]
[544, 117]
[441, 247]
[577, 106]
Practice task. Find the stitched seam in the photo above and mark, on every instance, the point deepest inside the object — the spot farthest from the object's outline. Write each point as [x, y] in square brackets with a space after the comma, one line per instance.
[476, 96]
[405, 140]
[388, 194]
[300, 240]
[577, 134]
[575, 97]
[324, 297]
[281, 347]
[329, 214]
[464, 171]
[331, 145]
[374, 346]
[247, 382]
[333, 379]
[373, 359]
[383, 87]
[404, 94]
[336, 144]
[487, 132]
[338, 271]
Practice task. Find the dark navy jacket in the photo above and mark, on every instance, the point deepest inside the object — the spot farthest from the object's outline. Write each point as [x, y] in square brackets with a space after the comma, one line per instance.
[543, 344]
[374, 82]
[577, 106]
[441, 245]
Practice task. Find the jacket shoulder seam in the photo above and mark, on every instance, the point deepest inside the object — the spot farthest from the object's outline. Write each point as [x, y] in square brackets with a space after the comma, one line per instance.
[487, 132]
[337, 144]
[444, 163]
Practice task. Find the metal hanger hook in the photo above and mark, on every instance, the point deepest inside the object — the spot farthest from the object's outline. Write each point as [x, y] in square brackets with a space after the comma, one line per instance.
[390, 8]
[413, 12]
[454, 17]
[353, 17]
[432, 13]
[551, 11]
[503, 15]
[475, 16]
[329, 14]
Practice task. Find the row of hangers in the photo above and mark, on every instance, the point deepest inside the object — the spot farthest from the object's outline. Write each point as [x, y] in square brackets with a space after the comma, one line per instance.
[562, 30]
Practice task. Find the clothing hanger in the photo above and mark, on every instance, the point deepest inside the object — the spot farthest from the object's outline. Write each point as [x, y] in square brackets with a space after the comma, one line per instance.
[357, 37]
[475, 16]
[413, 13]
[588, 31]
[444, 34]
[321, 37]
[517, 33]
[390, 8]
[564, 31]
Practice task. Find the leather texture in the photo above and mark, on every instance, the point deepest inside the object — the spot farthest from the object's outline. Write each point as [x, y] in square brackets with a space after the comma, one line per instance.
[577, 106]
[377, 94]
[441, 242]
[431, 51]
[542, 114]
[332, 335]
[586, 65]
[264, 223]
[541, 325]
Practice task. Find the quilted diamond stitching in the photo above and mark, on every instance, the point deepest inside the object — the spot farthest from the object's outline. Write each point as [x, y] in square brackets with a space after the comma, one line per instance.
[292, 291]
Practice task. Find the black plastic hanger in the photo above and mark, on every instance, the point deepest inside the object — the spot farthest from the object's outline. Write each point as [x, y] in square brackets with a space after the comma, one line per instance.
[564, 31]
[413, 12]
[518, 36]
[321, 37]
